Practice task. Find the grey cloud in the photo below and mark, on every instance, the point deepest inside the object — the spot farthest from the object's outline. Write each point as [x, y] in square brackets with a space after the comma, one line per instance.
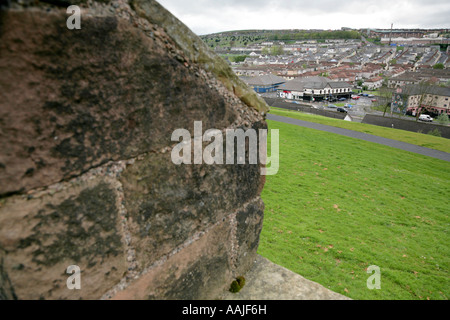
[233, 14]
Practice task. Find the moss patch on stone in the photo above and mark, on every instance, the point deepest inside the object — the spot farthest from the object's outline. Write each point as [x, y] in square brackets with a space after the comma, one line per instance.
[237, 284]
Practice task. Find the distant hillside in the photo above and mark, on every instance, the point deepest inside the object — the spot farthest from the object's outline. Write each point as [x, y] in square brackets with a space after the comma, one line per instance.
[243, 38]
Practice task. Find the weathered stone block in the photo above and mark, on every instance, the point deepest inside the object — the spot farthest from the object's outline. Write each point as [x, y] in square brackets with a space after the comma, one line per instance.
[249, 226]
[105, 92]
[197, 51]
[41, 237]
[74, 105]
[200, 270]
[167, 203]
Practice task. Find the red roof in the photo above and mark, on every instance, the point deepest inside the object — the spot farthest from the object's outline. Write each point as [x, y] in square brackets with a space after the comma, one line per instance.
[374, 79]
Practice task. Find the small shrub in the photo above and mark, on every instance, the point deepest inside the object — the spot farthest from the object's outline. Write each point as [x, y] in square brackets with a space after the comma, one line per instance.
[235, 287]
[442, 119]
[237, 284]
[435, 132]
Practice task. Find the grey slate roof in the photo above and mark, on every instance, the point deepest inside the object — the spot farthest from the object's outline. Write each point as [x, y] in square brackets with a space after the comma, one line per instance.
[418, 89]
[293, 85]
[265, 80]
[317, 83]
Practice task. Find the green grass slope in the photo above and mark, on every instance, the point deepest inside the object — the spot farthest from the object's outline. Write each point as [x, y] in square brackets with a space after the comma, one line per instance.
[419, 139]
[339, 205]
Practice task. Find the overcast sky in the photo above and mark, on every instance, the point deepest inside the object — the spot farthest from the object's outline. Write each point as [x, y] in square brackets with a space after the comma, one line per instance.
[210, 16]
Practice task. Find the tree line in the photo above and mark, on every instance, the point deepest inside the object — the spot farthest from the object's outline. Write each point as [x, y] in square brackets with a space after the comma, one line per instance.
[316, 35]
[245, 39]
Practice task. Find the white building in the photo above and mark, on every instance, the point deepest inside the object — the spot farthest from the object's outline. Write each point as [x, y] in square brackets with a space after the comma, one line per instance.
[314, 88]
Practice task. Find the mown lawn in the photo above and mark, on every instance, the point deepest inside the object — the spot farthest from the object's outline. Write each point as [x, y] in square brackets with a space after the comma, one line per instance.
[424, 140]
[339, 205]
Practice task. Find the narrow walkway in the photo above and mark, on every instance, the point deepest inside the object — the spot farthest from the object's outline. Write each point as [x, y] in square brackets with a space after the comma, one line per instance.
[269, 281]
[364, 136]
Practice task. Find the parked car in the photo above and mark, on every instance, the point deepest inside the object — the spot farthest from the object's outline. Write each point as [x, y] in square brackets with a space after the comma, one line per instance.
[425, 117]
[332, 106]
[342, 99]
[371, 96]
[341, 110]
[355, 97]
[348, 105]
[374, 100]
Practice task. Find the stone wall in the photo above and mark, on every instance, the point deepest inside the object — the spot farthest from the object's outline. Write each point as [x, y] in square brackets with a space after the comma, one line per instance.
[281, 103]
[408, 125]
[86, 176]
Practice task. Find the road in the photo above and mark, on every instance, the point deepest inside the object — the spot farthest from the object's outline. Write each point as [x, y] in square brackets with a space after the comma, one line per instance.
[364, 136]
[361, 107]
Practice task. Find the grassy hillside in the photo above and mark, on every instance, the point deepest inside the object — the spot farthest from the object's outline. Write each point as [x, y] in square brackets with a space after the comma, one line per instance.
[339, 205]
[245, 38]
[419, 139]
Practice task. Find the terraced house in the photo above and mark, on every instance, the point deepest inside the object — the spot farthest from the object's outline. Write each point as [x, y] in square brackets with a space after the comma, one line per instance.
[314, 89]
[429, 75]
[432, 99]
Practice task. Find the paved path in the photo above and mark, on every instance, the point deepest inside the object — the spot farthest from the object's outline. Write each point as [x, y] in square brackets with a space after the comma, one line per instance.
[364, 136]
[269, 281]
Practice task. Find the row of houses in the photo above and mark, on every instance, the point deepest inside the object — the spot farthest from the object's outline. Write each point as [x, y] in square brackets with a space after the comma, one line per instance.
[404, 33]
[346, 72]
[386, 33]
[414, 41]
[434, 100]
[372, 75]
[307, 88]
[406, 53]
[374, 83]
[409, 98]
[436, 76]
